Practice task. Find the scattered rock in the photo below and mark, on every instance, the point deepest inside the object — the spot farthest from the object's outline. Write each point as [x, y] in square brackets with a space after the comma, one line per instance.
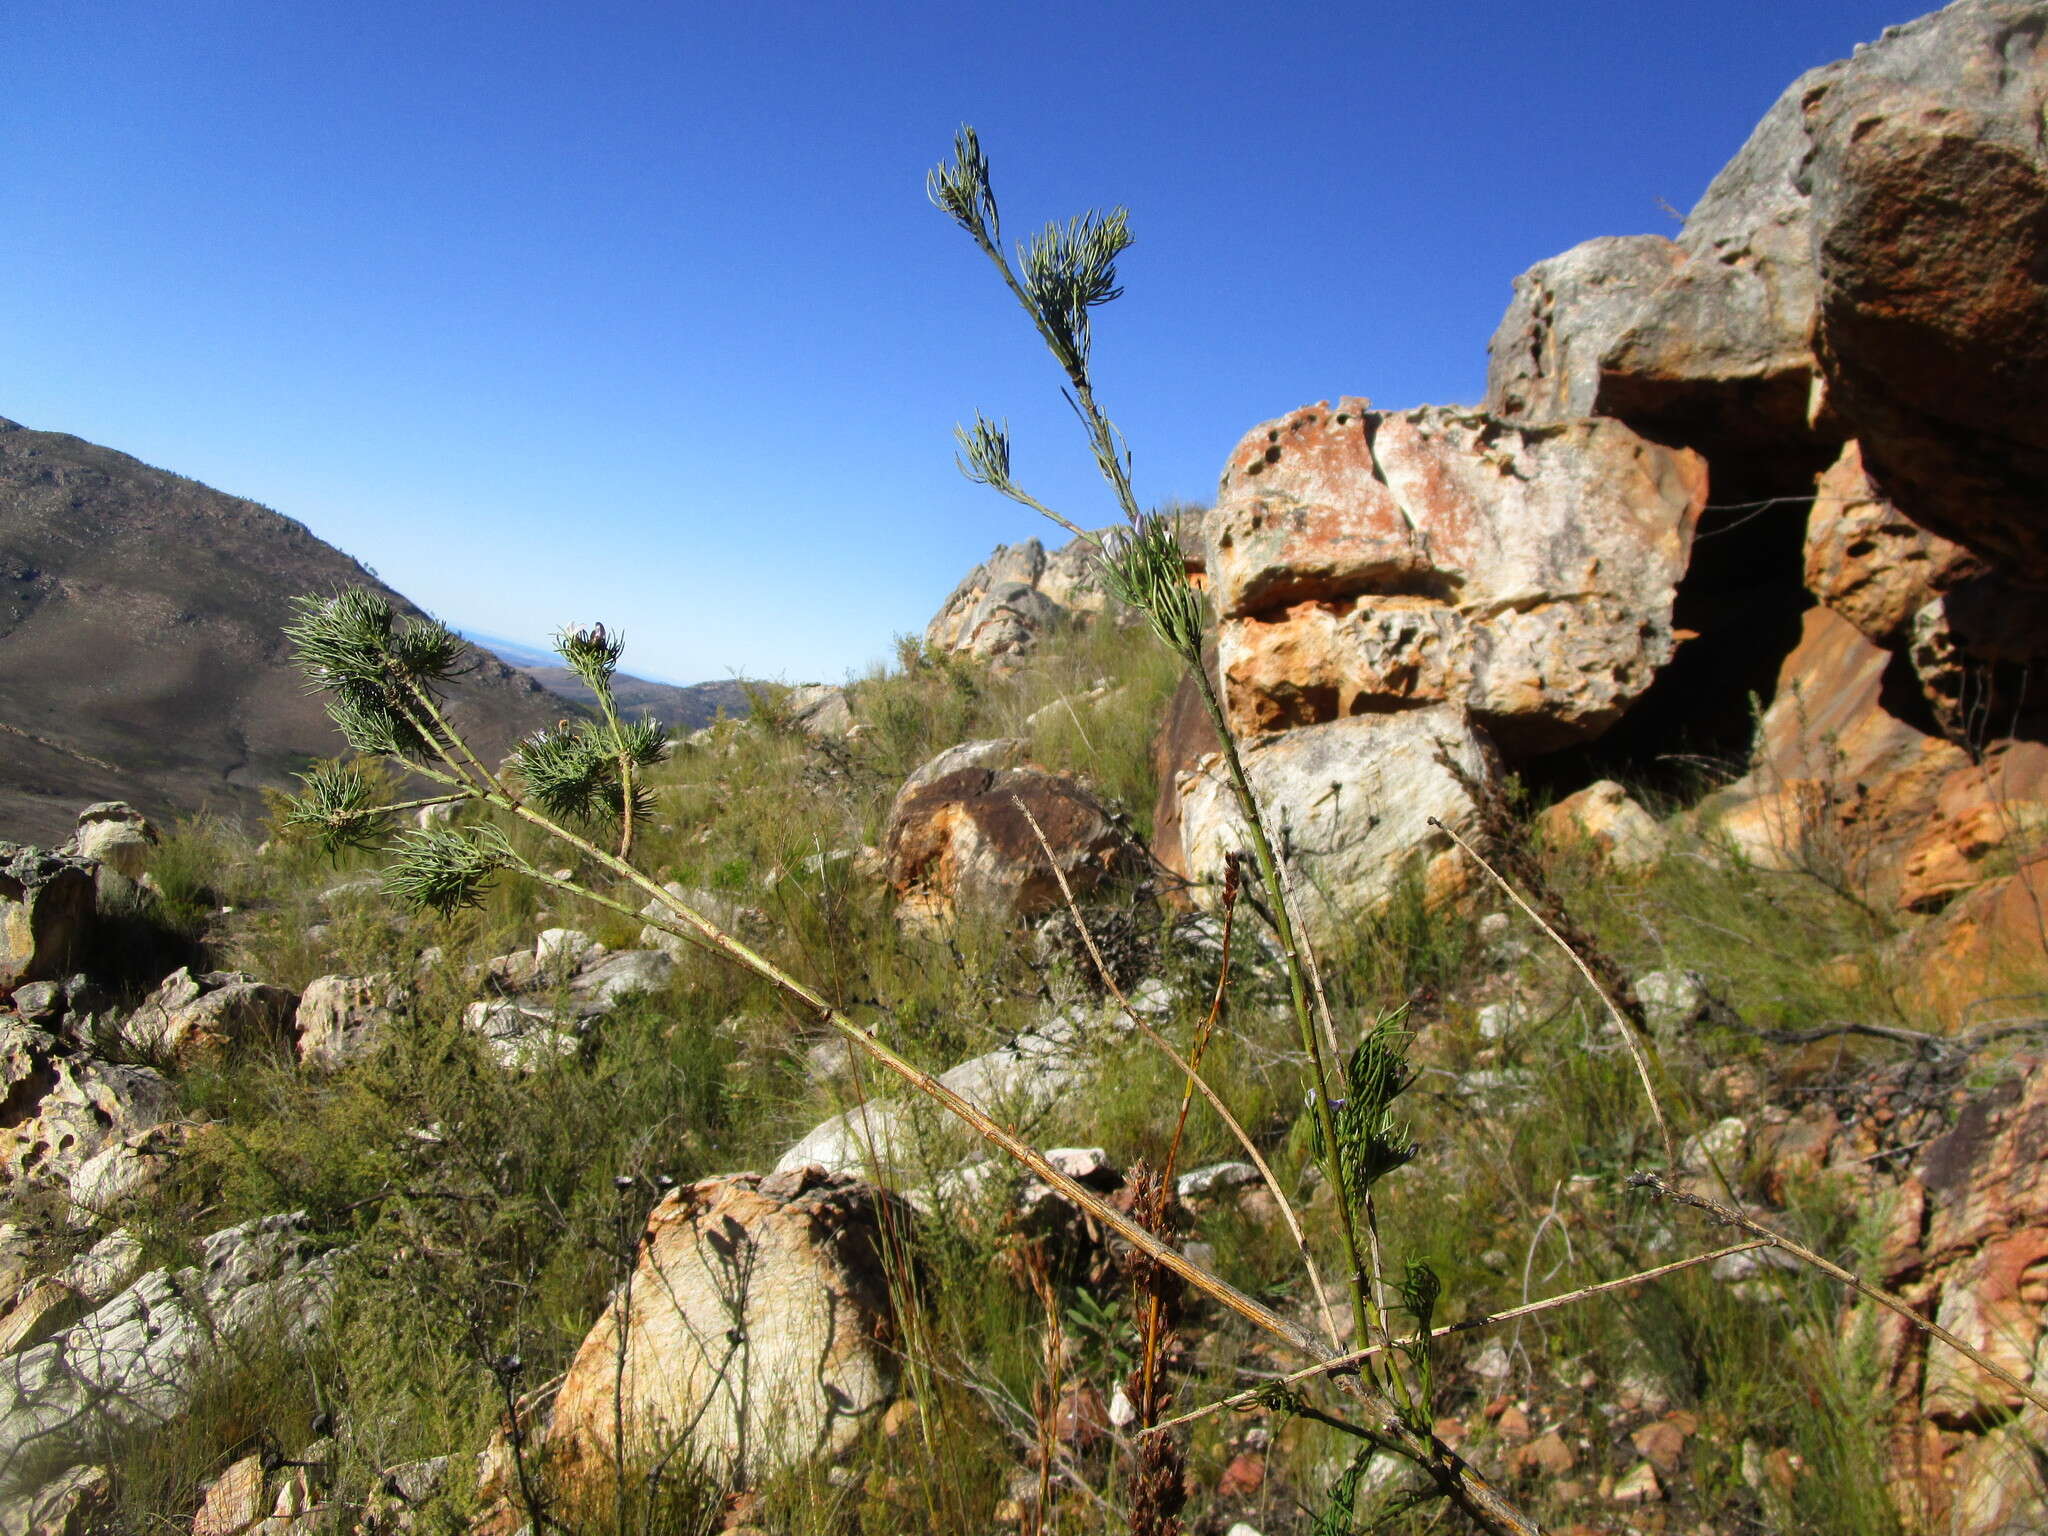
[133, 1362]
[235, 1502]
[1672, 1001]
[758, 1330]
[1640, 1486]
[520, 1037]
[728, 913]
[189, 1018]
[1547, 1454]
[1004, 605]
[820, 709]
[1213, 1179]
[67, 1505]
[1606, 819]
[341, 1019]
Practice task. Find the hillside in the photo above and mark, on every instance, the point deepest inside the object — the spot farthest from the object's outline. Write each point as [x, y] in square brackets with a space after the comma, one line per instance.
[140, 655]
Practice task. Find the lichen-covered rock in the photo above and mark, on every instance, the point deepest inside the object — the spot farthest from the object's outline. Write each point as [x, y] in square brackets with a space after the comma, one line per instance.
[1368, 561]
[1349, 804]
[959, 842]
[47, 906]
[756, 1329]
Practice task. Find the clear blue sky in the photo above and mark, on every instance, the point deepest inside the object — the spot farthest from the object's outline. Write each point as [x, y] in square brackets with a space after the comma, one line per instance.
[637, 311]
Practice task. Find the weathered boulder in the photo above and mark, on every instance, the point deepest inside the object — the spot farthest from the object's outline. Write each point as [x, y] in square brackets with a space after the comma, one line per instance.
[1544, 358]
[70, 1504]
[1929, 180]
[1868, 561]
[125, 1170]
[1969, 1248]
[609, 980]
[1367, 561]
[341, 1019]
[1348, 804]
[958, 842]
[59, 1106]
[214, 1014]
[520, 1036]
[756, 1327]
[117, 835]
[47, 905]
[1720, 352]
[820, 709]
[134, 1361]
[1604, 818]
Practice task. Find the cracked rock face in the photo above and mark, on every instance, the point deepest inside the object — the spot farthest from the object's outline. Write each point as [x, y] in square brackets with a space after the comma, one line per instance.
[1368, 562]
[134, 1361]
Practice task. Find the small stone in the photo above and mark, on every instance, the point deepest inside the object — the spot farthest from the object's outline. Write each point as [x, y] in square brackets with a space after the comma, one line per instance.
[1513, 1424]
[1661, 1442]
[1214, 1179]
[1245, 1476]
[1492, 1363]
[1547, 1453]
[1641, 1486]
[234, 1503]
[1122, 1411]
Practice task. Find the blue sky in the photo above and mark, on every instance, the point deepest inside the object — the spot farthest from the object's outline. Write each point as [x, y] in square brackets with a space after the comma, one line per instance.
[637, 312]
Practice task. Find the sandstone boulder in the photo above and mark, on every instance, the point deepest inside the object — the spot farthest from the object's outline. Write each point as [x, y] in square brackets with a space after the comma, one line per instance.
[756, 1330]
[1929, 179]
[1720, 352]
[59, 1106]
[341, 1019]
[135, 1361]
[47, 905]
[820, 709]
[1348, 804]
[1366, 561]
[124, 1171]
[1845, 786]
[214, 1014]
[117, 835]
[1004, 605]
[1604, 818]
[957, 842]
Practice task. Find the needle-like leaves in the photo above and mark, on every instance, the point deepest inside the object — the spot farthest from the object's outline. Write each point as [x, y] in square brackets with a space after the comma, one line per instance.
[446, 871]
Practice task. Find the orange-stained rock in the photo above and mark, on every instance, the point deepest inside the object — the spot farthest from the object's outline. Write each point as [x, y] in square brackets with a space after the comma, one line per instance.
[1604, 818]
[1867, 560]
[1367, 561]
[1980, 1268]
[757, 1333]
[1841, 785]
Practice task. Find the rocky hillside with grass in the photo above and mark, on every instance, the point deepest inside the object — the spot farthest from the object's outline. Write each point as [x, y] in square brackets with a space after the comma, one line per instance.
[1491, 980]
[140, 649]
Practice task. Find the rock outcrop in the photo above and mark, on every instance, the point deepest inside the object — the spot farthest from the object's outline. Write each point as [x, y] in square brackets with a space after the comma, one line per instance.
[60, 1105]
[1019, 593]
[215, 1014]
[1970, 1250]
[134, 1361]
[1929, 182]
[1365, 562]
[341, 1019]
[756, 1330]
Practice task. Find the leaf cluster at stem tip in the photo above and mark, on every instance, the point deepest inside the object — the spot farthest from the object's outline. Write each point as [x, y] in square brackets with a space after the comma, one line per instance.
[375, 671]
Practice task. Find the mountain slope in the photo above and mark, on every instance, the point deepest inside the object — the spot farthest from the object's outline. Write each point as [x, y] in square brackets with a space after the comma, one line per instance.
[140, 654]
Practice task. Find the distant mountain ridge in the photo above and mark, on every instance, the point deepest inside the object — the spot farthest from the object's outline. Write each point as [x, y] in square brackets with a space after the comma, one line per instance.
[680, 706]
[141, 657]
